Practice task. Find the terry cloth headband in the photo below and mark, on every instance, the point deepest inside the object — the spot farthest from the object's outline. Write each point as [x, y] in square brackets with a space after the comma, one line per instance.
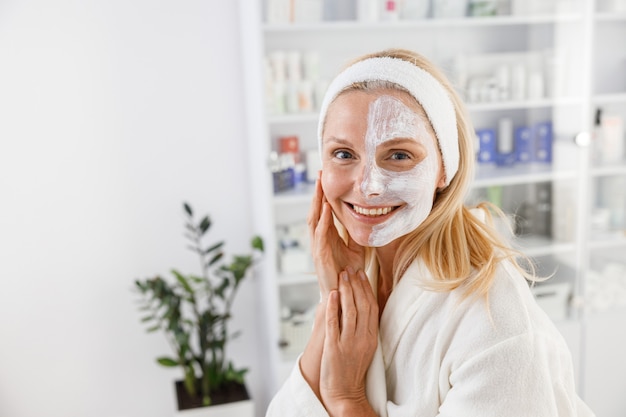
[428, 92]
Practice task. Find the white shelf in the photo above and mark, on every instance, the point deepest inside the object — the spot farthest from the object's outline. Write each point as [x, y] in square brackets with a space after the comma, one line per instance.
[608, 240]
[491, 175]
[524, 104]
[300, 195]
[535, 246]
[609, 170]
[469, 22]
[312, 117]
[297, 279]
[619, 98]
[293, 118]
[610, 17]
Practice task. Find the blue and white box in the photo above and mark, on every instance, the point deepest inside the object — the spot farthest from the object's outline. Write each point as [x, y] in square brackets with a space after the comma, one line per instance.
[486, 145]
[543, 142]
[524, 145]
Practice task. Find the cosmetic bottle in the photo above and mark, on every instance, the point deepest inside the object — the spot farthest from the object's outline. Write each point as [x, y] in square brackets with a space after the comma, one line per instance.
[414, 9]
[505, 143]
[480, 8]
[307, 11]
[367, 11]
[503, 77]
[311, 65]
[305, 96]
[596, 138]
[449, 9]
[277, 11]
[294, 65]
[542, 210]
[390, 11]
[518, 82]
[291, 97]
[278, 65]
[612, 138]
[535, 85]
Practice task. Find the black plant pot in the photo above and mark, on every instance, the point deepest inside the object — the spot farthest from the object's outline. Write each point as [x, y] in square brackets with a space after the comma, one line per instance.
[228, 393]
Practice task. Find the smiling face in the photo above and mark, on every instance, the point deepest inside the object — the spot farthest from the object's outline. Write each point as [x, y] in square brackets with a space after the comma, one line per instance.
[380, 164]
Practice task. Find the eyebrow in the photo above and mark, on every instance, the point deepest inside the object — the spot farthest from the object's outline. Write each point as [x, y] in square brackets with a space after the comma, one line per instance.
[399, 141]
[340, 141]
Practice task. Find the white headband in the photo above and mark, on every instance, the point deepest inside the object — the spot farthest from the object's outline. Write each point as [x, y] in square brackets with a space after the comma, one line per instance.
[428, 92]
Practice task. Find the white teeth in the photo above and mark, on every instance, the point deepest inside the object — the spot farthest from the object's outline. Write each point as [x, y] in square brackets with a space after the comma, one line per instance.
[372, 212]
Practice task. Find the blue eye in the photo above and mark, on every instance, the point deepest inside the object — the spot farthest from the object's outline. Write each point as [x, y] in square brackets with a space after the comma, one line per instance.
[342, 154]
[400, 156]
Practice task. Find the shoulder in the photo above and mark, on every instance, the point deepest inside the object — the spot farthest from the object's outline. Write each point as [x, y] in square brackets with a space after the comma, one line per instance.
[509, 316]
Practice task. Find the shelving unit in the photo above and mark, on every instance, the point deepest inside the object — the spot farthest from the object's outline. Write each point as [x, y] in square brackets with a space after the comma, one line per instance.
[589, 82]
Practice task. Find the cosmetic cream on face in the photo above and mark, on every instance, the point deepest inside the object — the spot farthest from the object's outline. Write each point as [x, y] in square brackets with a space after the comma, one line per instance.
[413, 190]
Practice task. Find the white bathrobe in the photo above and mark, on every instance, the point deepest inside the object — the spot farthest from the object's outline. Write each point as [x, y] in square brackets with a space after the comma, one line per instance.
[442, 355]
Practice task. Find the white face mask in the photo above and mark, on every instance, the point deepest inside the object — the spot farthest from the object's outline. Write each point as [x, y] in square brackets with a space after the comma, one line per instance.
[389, 118]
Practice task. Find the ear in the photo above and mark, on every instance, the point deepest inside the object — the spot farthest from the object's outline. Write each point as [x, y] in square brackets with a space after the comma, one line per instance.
[441, 183]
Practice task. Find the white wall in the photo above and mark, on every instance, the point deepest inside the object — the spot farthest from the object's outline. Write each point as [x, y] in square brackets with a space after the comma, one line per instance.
[112, 113]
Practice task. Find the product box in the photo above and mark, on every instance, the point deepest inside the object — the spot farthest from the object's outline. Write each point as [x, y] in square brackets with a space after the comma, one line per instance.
[486, 145]
[543, 142]
[288, 144]
[523, 144]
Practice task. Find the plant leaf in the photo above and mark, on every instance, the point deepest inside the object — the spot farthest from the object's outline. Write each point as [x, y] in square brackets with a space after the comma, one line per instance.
[205, 224]
[165, 361]
[257, 243]
[214, 247]
[215, 258]
[183, 281]
[188, 209]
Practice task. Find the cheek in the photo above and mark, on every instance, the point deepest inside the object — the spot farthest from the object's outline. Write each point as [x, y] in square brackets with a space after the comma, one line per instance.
[330, 183]
[414, 185]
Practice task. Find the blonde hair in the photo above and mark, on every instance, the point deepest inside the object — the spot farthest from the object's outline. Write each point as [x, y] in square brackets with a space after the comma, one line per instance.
[458, 248]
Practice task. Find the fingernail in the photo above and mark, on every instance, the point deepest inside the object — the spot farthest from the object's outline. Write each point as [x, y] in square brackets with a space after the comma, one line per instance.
[362, 275]
[350, 270]
[344, 275]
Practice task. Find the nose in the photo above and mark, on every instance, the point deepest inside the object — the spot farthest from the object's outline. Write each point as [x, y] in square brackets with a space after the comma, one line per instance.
[372, 181]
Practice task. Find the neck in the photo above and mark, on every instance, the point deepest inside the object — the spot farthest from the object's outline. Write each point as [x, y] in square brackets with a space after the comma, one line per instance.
[385, 256]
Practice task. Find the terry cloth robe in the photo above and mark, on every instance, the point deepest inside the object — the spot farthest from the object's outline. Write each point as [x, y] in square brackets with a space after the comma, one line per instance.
[442, 355]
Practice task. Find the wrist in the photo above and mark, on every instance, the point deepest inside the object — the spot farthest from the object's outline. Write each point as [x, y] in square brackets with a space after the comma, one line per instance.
[358, 406]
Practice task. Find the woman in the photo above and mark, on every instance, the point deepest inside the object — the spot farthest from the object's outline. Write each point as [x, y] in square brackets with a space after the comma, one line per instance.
[424, 310]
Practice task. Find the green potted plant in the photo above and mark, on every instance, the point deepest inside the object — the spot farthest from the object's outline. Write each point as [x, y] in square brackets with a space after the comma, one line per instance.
[194, 312]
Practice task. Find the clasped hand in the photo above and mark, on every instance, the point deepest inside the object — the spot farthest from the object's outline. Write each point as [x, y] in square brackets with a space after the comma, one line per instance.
[345, 334]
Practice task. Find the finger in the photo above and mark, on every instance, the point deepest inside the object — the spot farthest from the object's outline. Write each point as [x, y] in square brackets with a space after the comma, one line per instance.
[348, 308]
[324, 224]
[372, 302]
[325, 266]
[316, 204]
[332, 318]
